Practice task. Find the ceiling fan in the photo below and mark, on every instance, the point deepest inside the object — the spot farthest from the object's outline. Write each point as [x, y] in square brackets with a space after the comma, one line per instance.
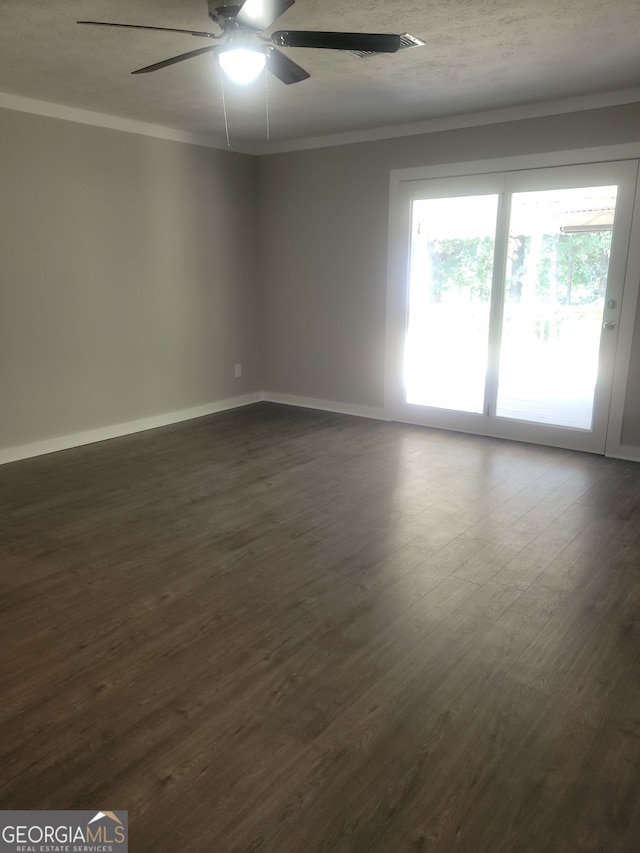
[244, 50]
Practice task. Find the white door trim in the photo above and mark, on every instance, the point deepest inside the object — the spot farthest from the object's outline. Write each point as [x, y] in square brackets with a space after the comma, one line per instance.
[398, 236]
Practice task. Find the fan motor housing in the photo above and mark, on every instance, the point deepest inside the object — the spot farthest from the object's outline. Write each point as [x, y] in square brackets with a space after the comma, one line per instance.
[222, 15]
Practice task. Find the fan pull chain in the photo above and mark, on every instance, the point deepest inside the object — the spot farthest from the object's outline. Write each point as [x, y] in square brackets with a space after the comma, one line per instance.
[266, 98]
[224, 107]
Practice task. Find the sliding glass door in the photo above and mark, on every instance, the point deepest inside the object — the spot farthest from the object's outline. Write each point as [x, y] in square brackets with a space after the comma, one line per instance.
[513, 292]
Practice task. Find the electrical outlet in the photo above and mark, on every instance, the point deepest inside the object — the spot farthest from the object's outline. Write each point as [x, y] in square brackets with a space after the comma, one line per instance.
[238, 371]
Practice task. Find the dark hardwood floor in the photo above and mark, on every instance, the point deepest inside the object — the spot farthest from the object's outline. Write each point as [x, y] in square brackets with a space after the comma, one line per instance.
[284, 631]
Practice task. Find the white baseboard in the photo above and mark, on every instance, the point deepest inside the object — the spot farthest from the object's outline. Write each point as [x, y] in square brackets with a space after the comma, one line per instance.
[52, 445]
[39, 448]
[326, 406]
[629, 454]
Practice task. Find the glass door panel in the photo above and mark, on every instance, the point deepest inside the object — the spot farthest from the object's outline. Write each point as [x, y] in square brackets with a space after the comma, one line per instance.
[559, 246]
[450, 280]
[505, 321]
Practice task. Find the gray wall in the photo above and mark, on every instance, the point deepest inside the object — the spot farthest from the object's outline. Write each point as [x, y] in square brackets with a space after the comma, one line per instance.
[128, 280]
[323, 227]
[129, 284]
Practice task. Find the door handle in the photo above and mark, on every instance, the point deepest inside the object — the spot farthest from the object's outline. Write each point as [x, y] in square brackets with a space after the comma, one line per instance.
[608, 325]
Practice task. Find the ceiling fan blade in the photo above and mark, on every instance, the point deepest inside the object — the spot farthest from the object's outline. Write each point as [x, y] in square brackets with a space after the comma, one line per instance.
[283, 68]
[166, 62]
[374, 42]
[141, 27]
[258, 15]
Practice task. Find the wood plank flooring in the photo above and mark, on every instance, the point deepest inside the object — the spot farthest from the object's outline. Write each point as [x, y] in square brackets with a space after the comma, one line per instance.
[283, 631]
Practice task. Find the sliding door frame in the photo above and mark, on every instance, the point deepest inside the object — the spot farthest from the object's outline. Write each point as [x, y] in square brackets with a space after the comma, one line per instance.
[398, 247]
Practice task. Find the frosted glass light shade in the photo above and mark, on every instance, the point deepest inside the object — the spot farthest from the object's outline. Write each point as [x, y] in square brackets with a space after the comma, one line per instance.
[241, 64]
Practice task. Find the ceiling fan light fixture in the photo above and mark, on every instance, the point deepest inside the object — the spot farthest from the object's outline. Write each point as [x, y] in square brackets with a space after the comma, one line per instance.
[242, 64]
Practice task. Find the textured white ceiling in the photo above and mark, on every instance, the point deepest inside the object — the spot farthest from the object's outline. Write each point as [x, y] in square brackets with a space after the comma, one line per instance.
[480, 54]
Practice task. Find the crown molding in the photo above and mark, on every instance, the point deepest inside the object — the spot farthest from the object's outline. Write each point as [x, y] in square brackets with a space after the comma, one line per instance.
[60, 111]
[455, 122]
[435, 125]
